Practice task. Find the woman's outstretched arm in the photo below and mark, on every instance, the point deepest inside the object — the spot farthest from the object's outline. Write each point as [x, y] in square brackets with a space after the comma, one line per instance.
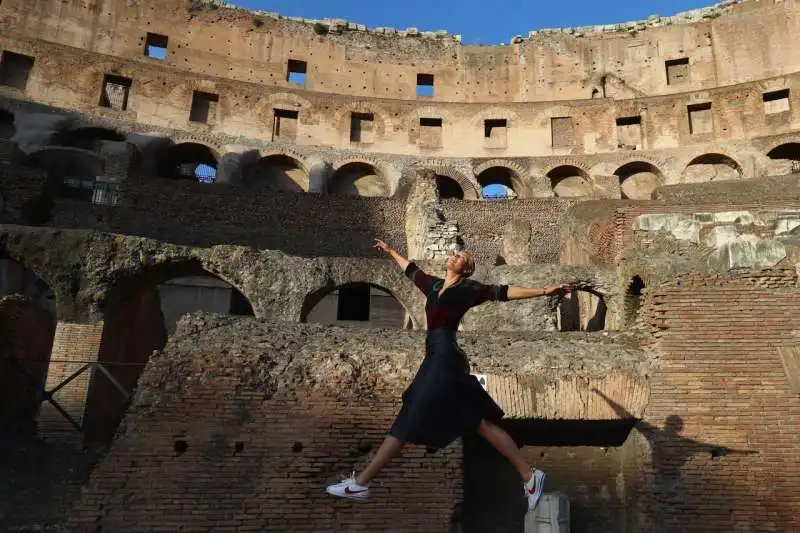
[522, 293]
[399, 259]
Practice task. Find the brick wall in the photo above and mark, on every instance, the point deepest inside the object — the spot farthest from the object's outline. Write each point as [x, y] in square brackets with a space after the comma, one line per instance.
[298, 224]
[481, 225]
[721, 374]
[776, 188]
[257, 464]
[26, 338]
[73, 346]
[130, 335]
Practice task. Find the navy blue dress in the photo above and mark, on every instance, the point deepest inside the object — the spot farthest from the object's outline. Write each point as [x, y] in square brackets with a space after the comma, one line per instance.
[444, 401]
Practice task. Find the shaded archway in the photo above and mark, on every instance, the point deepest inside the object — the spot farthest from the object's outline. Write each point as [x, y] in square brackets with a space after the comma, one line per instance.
[89, 138]
[277, 172]
[27, 328]
[188, 161]
[355, 304]
[712, 167]
[72, 172]
[789, 155]
[140, 314]
[449, 188]
[499, 182]
[7, 129]
[358, 179]
[638, 180]
[581, 310]
[569, 181]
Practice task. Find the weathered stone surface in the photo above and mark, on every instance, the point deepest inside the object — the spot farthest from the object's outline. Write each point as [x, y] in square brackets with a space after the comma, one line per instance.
[279, 358]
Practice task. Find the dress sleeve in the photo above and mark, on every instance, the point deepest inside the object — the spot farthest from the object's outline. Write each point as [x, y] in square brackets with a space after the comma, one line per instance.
[488, 293]
[422, 280]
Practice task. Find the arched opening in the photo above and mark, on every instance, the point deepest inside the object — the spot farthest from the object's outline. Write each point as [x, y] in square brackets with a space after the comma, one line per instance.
[358, 179]
[570, 182]
[90, 138]
[789, 155]
[638, 180]
[140, 314]
[712, 167]
[277, 172]
[189, 161]
[449, 188]
[498, 183]
[355, 304]
[7, 129]
[72, 172]
[581, 310]
[27, 327]
[633, 299]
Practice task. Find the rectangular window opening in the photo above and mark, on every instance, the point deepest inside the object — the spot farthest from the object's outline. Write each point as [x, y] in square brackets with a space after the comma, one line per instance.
[204, 107]
[115, 92]
[296, 71]
[629, 133]
[700, 118]
[562, 130]
[156, 46]
[361, 127]
[677, 71]
[425, 85]
[430, 132]
[15, 69]
[495, 133]
[776, 102]
[285, 125]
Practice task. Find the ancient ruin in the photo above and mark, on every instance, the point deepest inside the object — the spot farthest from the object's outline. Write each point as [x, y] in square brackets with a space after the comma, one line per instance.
[196, 335]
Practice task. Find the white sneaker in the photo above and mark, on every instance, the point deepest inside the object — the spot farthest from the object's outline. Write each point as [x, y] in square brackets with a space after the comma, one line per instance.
[533, 488]
[348, 488]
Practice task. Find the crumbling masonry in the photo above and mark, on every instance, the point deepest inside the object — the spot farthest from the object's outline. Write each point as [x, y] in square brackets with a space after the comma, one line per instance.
[188, 197]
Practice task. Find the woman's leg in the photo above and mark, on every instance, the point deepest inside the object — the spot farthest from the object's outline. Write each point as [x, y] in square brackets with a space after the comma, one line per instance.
[390, 448]
[505, 445]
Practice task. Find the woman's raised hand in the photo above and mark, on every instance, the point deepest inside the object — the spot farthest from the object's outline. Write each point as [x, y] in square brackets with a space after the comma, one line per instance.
[381, 246]
[562, 289]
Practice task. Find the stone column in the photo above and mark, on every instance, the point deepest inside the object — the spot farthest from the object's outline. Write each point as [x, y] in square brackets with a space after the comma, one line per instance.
[74, 345]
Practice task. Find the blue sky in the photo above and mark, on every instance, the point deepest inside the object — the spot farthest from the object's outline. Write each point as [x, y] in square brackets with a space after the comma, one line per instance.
[479, 22]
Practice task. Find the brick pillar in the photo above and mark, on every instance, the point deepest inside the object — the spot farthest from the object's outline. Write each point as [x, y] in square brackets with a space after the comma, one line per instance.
[74, 345]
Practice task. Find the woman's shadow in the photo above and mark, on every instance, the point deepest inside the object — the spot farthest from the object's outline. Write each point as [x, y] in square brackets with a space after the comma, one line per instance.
[669, 450]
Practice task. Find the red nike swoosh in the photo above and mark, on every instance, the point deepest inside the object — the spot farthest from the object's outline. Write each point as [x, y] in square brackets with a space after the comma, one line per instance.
[532, 489]
[348, 491]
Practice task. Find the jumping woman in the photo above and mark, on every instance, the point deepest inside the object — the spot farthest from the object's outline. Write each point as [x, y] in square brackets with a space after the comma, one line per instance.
[444, 401]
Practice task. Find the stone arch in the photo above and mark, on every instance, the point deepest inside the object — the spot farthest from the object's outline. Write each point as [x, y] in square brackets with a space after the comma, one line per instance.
[712, 167]
[140, 309]
[359, 177]
[570, 181]
[787, 151]
[7, 128]
[360, 303]
[341, 119]
[288, 99]
[72, 172]
[452, 183]
[188, 161]
[584, 309]
[503, 172]
[492, 113]
[277, 171]
[639, 179]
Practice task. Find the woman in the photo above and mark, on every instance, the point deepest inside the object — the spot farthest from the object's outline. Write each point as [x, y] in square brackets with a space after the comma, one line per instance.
[444, 401]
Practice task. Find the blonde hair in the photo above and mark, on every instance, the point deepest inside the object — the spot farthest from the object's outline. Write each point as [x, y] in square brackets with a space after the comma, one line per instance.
[469, 263]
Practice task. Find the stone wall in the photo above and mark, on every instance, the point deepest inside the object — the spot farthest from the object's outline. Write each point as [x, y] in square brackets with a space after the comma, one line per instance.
[482, 226]
[274, 412]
